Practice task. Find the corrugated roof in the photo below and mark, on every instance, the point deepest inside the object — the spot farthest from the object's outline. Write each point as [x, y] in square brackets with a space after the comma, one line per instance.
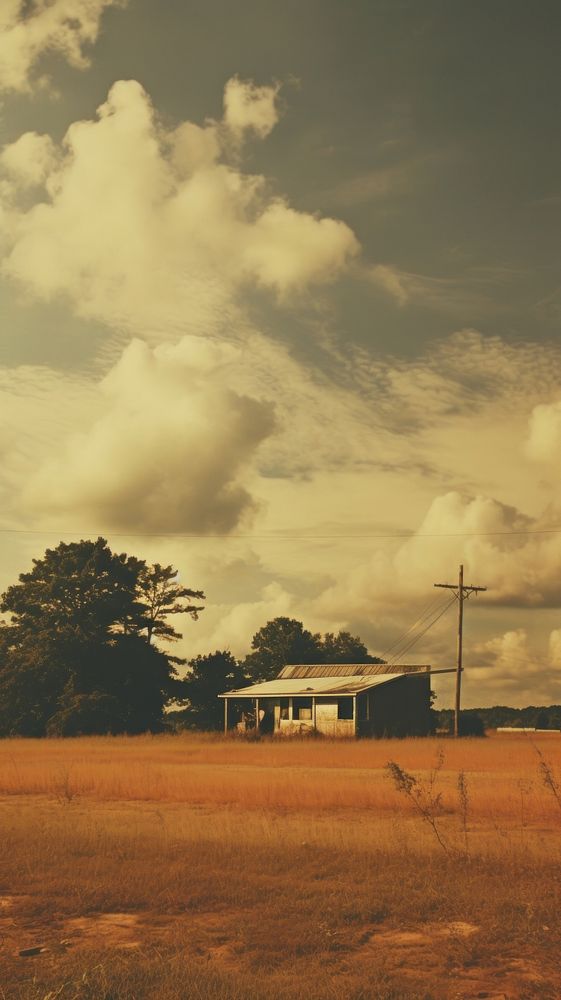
[286, 687]
[349, 669]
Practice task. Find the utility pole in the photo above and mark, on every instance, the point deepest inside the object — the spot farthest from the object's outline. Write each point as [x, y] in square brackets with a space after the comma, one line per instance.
[461, 591]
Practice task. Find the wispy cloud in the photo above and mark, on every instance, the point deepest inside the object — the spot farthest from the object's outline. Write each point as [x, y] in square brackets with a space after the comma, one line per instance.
[471, 293]
[373, 185]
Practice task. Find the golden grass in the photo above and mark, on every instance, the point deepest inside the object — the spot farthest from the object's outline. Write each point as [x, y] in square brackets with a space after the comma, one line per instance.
[195, 866]
[294, 776]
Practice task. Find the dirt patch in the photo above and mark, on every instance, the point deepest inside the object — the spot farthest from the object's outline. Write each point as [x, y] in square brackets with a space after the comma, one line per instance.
[209, 936]
[28, 938]
[424, 936]
[116, 930]
[446, 958]
[8, 903]
[212, 939]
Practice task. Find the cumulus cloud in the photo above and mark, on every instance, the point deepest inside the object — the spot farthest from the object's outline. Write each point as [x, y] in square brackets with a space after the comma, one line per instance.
[29, 160]
[165, 451]
[248, 107]
[28, 31]
[232, 626]
[237, 411]
[515, 669]
[491, 539]
[36, 406]
[502, 656]
[151, 229]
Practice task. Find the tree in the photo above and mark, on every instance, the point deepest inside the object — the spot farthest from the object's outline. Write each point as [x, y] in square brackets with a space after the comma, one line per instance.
[32, 677]
[471, 724]
[280, 641]
[81, 588]
[285, 640]
[207, 677]
[345, 648]
[77, 653]
[542, 719]
[86, 715]
[163, 596]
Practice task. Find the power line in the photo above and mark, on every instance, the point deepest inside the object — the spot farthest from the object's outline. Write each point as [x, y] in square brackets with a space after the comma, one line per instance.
[426, 612]
[281, 537]
[420, 635]
[416, 638]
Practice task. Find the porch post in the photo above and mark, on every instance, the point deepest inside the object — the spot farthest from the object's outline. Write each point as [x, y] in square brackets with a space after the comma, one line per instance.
[313, 711]
[256, 700]
[225, 715]
[354, 714]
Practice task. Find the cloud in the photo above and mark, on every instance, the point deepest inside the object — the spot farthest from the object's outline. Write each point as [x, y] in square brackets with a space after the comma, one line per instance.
[37, 405]
[555, 648]
[520, 570]
[29, 160]
[470, 293]
[397, 175]
[248, 107]
[513, 669]
[544, 438]
[166, 449]
[406, 442]
[232, 626]
[462, 390]
[153, 231]
[166, 438]
[372, 186]
[394, 282]
[28, 31]
[500, 658]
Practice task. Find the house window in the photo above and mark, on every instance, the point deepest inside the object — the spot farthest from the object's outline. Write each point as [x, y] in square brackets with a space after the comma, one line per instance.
[302, 709]
[344, 708]
[284, 703]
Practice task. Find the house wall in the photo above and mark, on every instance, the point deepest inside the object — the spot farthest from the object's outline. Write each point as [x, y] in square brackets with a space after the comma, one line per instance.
[326, 721]
[399, 708]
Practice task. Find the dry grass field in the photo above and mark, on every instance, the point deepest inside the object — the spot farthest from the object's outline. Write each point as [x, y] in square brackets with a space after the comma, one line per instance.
[200, 867]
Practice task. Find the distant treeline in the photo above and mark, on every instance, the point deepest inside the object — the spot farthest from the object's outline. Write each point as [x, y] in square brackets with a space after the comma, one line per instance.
[533, 717]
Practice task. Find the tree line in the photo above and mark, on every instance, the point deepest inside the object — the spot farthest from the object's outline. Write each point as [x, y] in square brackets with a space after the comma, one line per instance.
[477, 720]
[84, 648]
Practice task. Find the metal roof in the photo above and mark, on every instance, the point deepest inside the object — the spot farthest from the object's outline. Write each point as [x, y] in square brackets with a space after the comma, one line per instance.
[285, 687]
[349, 669]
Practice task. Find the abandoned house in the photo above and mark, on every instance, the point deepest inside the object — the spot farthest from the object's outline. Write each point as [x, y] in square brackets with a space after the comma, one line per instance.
[336, 699]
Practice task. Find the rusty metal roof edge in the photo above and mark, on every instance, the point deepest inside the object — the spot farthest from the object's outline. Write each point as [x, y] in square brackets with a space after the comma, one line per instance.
[303, 670]
[244, 692]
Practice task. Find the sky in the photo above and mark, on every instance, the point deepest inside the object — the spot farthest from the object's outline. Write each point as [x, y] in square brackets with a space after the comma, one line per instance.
[280, 294]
